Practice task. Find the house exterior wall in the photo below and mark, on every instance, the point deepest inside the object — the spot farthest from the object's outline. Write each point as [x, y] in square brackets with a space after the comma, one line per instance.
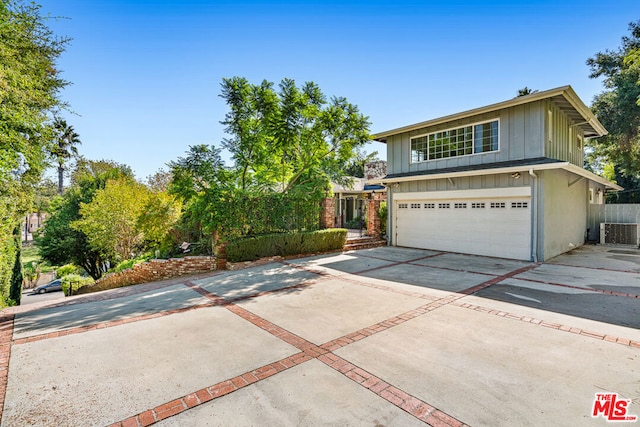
[520, 137]
[551, 127]
[533, 130]
[562, 140]
[563, 223]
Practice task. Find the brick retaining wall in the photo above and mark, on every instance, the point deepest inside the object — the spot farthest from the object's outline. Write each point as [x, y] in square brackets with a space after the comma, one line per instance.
[151, 271]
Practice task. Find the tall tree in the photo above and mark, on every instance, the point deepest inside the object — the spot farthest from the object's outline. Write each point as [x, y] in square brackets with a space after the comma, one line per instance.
[356, 166]
[59, 243]
[29, 92]
[64, 147]
[253, 109]
[15, 290]
[110, 219]
[618, 110]
[290, 140]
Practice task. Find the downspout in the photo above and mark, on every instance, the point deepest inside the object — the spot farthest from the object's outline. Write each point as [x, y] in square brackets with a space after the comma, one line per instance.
[534, 216]
[391, 227]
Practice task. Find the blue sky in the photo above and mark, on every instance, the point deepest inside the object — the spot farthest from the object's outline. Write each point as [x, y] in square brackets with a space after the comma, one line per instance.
[146, 74]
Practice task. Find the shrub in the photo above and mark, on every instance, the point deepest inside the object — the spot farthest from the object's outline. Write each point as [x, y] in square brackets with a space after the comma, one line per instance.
[131, 262]
[382, 213]
[355, 223]
[66, 270]
[32, 272]
[283, 244]
[75, 281]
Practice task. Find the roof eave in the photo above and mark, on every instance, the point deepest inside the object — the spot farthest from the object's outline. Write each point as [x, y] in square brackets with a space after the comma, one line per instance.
[566, 91]
[508, 169]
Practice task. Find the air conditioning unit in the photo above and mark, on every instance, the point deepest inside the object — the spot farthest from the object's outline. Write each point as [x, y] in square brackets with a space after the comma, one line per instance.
[619, 234]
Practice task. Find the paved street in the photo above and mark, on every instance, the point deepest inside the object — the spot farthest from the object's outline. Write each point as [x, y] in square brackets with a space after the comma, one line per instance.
[385, 336]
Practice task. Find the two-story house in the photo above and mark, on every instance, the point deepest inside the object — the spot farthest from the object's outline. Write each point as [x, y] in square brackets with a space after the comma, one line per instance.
[505, 180]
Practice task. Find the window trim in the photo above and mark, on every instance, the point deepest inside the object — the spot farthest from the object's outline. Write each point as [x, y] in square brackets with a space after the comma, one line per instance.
[473, 125]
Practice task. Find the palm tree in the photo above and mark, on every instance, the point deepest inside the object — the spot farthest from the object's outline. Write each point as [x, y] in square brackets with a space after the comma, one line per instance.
[525, 91]
[66, 140]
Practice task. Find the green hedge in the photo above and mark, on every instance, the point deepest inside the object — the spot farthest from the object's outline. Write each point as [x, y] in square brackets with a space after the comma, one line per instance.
[283, 244]
[75, 281]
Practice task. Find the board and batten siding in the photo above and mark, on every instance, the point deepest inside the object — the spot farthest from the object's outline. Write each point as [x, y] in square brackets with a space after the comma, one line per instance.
[563, 140]
[536, 129]
[522, 130]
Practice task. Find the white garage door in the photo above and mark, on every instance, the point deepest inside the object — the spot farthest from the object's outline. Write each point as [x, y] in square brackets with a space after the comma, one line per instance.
[490, 225]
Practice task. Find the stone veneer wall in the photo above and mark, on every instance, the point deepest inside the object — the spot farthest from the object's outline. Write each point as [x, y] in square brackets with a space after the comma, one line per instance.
[375, 170]
[151, 271]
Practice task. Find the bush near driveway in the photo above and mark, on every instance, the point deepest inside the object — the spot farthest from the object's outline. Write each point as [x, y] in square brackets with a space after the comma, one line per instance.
[75, 282]
[283, 244]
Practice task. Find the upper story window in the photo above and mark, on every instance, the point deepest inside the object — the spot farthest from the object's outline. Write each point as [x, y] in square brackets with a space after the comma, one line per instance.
[464, 141]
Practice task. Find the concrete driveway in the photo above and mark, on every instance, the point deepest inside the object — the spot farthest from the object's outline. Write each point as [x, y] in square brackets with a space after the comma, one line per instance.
[382, 337]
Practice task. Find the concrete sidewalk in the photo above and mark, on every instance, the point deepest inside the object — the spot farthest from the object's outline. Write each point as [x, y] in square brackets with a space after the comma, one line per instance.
[385, 336]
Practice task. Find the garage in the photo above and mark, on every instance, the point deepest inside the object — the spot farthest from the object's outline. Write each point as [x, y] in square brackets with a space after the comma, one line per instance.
[494, 222]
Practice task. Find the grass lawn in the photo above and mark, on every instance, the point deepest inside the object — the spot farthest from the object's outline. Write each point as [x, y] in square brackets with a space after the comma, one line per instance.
[30, 253]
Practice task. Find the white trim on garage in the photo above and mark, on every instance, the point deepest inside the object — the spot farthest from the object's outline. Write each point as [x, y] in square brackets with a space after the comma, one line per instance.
[466, 194]
[491, 222]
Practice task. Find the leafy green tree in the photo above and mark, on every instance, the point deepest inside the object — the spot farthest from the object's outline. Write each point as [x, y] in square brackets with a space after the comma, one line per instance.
[253, 109]
[29, 92]
[292, 140]
[64, 147]
[160, 180]
[203, 183]
[200, 170]
[59, 243]
[159, 219]
[109, 220]
[618, 110]
[355, 167]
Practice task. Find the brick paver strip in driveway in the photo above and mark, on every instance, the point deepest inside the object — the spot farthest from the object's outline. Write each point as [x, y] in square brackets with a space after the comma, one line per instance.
[421, 361]
[308, 394]
[115, 372]
[318, 313]
[478, 375]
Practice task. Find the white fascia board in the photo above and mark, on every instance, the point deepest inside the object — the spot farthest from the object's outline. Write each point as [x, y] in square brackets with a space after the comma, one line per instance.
[592, 177]
[510, 169]
[493, 171]
[483, 193]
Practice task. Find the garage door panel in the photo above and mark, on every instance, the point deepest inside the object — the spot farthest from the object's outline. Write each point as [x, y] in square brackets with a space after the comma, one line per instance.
[498, 227]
